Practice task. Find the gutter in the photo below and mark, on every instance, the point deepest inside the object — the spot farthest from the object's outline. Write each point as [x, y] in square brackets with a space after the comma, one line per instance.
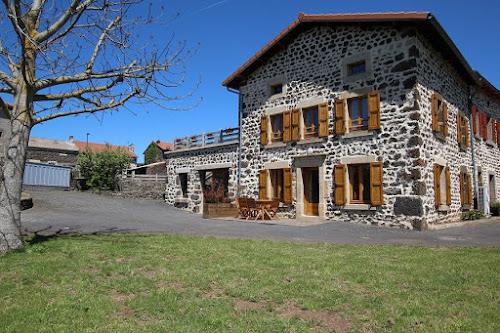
[240, 110]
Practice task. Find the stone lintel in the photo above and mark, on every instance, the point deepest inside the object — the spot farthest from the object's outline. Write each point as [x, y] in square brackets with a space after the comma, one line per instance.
[183, 170]
[439, 160]
[361, 159]
[309, 161]
[277, 165]
[275, 110]
[214, 166]
[309, 102]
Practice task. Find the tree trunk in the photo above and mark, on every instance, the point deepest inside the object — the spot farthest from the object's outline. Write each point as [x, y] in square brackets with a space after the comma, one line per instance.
[15, 148]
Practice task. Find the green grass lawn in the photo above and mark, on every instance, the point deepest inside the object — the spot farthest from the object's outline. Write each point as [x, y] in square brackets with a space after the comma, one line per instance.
[187, 284]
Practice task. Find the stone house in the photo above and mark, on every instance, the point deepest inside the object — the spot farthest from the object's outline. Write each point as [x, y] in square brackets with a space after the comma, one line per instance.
[97, 147]
[156, 150]
[369, 118]
[52, 151]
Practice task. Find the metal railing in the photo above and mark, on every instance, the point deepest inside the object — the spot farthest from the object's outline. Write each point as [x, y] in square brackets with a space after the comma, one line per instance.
[207, 139]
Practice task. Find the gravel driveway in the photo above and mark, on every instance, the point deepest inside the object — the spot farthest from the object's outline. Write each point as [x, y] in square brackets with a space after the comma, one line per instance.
[63, 211]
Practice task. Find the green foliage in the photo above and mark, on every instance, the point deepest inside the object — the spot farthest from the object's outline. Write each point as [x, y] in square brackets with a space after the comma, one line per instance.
[151, 154]
[495, 208]
[472, 215]
[100, 168]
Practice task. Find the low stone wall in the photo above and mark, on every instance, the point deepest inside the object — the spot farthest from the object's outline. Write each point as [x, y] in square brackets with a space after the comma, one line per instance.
[148, 189]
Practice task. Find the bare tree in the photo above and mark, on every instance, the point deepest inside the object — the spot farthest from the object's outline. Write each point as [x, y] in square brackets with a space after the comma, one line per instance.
[61, 58]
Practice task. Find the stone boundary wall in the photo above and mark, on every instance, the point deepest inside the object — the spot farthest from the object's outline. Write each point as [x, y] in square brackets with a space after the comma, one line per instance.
[147, 189]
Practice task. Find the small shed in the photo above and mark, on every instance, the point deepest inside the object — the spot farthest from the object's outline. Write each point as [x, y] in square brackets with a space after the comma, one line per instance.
[46, 176]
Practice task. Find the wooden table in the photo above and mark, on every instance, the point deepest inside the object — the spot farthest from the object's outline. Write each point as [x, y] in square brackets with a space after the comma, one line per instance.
[264, 204]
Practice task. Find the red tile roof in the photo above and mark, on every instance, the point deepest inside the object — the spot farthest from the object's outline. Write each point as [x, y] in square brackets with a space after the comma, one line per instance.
[425, 21]
[96, 147]
[164, 145]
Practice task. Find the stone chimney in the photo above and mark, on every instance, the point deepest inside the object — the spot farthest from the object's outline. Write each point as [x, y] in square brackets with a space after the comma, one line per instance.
[71, 139]
[131, 147]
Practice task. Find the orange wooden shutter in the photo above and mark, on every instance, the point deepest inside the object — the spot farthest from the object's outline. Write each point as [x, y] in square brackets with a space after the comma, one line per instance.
[435, 111]
[445, 118]
[287, 185]
[263, 184]
[437, 184]
[374, 110]
[469, 194]
[498, 132]
[474, 120]
[483, 127]
[463, 195]
[494, 130]
[339, 117]
[287, 126]
[340, 188]
[467, 136]
[376, 183]
[324, 126]
[296, 125]
[459, 128]
[264, 126]
[448, 186]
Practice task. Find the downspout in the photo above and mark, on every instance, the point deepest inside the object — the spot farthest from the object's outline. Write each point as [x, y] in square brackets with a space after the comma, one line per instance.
[240, 110]
[472, 145]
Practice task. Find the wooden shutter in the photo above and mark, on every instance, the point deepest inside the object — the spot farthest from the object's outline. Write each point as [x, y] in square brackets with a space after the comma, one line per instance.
[437, 184]
[287, 185]
[376, 183]
[448, 186]
[498, 132]
[264, 128]
[474, 120]
[469, 194]
[296, 125]
[459, 128]
[340, 187]
[263, 184]
[494, 130]
[435, 113]
[287, 126]
[483, 127]
[339, 117]
[445, 118]
[324, 125]
[463, 195]
[374, 110]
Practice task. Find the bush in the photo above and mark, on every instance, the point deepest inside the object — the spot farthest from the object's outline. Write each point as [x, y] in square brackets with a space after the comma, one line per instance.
[495, 208]
[472, 215]
[101, 168]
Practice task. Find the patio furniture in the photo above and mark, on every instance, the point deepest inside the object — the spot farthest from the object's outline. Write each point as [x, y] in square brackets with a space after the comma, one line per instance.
[241, 204]
[254, 210]
[273, 208]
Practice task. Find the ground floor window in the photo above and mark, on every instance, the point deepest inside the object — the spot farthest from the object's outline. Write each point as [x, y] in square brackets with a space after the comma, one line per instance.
[215, 185]
[183, 179]
[276, 183]
[442, 185]
[465, 189]
[359, 184]
[492, 186]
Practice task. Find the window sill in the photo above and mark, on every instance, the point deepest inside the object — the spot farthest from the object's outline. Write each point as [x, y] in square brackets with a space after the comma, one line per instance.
[443, 208]
[357, 134]
[463, 147]
[466, 207]
[440, 136]
[365, 207]
[181, 200]
[490, 143]
[310, 140]
[275, 145]
[276, 96]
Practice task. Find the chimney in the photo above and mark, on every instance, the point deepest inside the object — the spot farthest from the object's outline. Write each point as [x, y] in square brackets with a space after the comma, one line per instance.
[131, 147]
[71, 138]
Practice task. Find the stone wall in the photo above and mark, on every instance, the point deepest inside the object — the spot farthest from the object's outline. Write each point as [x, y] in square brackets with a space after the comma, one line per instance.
[136, 188]
[44, 156]
[193, 162]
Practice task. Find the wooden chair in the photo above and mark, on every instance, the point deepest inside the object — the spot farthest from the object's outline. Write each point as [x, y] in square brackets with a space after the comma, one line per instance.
[253, 209]
[241, 204]
[273, 208]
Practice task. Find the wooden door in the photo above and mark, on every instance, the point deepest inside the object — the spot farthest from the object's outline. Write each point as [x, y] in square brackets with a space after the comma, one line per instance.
[311, 191]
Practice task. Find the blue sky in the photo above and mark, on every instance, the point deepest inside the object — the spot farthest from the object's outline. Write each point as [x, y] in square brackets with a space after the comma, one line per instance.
[230, 32]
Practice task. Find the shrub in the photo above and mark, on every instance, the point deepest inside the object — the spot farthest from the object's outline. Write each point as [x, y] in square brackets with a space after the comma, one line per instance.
[472, 215]
[495, 208]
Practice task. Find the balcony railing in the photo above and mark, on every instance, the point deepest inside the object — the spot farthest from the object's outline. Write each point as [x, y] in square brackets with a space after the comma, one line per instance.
[207, 139]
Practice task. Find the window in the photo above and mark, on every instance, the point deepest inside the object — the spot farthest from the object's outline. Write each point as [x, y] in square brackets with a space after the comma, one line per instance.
[363, 113]
[358, 113]
[276, 183]
[311, 122]
[215, 185]
[356, 68]
[462, 131]
[439, 115]
[442, 185]
[276, 88]
[359, 184]
[465, 189]
[492, 188]
[277, 128]
[183, 178]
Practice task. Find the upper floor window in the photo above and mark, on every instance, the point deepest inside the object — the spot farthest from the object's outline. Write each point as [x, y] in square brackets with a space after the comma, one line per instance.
[311, 122]
[277, 127]
[358, 67]
[363, 113]
[462, 131]
[276, 88]
[465, 189]
[439, 115]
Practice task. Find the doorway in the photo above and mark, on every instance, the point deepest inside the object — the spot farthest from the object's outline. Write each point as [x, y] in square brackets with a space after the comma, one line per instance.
[311, 191]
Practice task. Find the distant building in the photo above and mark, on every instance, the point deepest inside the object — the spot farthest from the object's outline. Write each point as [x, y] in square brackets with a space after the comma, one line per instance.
[52, 151]
[156, 150]
[97, 147]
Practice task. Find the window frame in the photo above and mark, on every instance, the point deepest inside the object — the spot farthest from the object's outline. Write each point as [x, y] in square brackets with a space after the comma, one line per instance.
[314, 111]
[350, 120]
[439, 111]
[276, 136]
[183, 179]
[363, 183]
[277, 182]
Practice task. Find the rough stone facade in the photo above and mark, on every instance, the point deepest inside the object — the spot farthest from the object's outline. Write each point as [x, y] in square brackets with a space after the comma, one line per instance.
[68, 158]
[139, 188]
[193, 163]
[406, 69]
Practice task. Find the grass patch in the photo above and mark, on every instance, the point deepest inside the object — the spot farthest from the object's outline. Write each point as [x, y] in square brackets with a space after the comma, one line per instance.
[130, 282]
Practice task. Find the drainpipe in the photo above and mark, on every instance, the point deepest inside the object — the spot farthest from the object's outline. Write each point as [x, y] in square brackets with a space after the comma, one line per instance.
[470, 103]
[240, 110]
